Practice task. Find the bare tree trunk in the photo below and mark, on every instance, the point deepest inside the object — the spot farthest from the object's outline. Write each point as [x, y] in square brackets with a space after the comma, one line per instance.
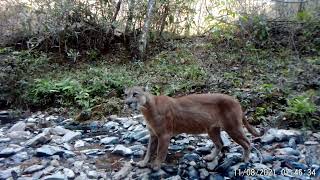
[114, 18]
[130, 17]
[164, 17]
[144, 36]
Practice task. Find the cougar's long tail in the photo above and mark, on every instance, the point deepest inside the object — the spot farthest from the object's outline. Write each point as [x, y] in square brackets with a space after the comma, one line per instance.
[251, 129]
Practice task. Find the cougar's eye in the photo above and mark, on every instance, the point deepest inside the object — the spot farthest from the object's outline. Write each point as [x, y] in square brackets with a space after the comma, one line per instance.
[134, 94]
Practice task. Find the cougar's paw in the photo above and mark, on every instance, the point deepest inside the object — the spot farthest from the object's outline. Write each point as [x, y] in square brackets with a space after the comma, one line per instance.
[142, 164]
[208, 157]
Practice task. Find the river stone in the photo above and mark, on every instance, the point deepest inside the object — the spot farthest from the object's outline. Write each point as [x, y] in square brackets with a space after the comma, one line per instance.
[7, 173]
[212, 165]
[19, 157]
[56, 176]
[59, 130]
[203, 173]
[71, 136]
[48, 150]
[4, 140]
[191, 157]
[79, 143]
[124, 171]
[93, 174]
[38, 139]
[193, 173]
[69, 173]
[19, 134]
[122, 150]
[109, 140]
[288, 151]
[176, 177]
[19, 126]
[112, 125]
[6, 152]
[33, 169]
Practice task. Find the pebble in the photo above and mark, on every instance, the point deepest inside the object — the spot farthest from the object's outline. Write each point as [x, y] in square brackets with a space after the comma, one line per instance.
[71, 136]
[109, 140]
[212, 165]
[78, 144]
[19, 126]
[33, 169]
[69, 173]
[6, 152]
[41, 138]
[56, 176]
[122, 150]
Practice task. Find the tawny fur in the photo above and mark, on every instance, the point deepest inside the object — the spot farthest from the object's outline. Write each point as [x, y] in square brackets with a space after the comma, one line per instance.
[194, 114]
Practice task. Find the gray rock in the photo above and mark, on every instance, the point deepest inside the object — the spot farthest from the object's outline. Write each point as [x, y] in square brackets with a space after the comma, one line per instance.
[6, 152]
[203, 150]
[90, 151]
[56, 176]
[109, 140]
[182, 141]
[203, 173]
[48, 150]
[82, 176]
[20, 157]
[71, 136]
[59, 130]
[19, 134]
[112, 125]
[191, 157]
[7, 173]
[38, 139]
[312, 154]
[193, 173]
[292, 142]
[124, 171]
[33, 168]
[4, 140]
[279, 135]
[19, 126]
[93, 174]
[212, 165]
[225, 138]
[122, 150]
[69, 173]
[176, 177]
[144, 140]
[311, 143]
[175, 147]
[79, 143]
[288, 151]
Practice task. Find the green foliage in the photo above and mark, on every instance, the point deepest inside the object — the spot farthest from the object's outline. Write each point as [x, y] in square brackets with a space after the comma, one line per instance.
[84, 89]
[73, 54]
[300, 106]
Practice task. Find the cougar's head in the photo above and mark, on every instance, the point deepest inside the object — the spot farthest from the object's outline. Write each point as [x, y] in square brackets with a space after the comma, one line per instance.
[135, 97]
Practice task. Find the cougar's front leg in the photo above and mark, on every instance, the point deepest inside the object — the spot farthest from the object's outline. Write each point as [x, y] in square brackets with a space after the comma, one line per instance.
[163, 144]
[152, 145]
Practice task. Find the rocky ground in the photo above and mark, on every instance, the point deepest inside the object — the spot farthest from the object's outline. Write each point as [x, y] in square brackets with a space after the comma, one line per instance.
[52, 148]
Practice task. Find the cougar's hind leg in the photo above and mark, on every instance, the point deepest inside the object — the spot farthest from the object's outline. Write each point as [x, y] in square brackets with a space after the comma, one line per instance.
[214, 134]
[238, 135]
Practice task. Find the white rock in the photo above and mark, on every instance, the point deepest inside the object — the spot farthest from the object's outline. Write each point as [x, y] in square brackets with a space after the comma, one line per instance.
[122, 150]
[78, 144]
[70, 136]
[19, 126]
[109, 140]
[33, 168]
[59, 130]
[69, 173]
